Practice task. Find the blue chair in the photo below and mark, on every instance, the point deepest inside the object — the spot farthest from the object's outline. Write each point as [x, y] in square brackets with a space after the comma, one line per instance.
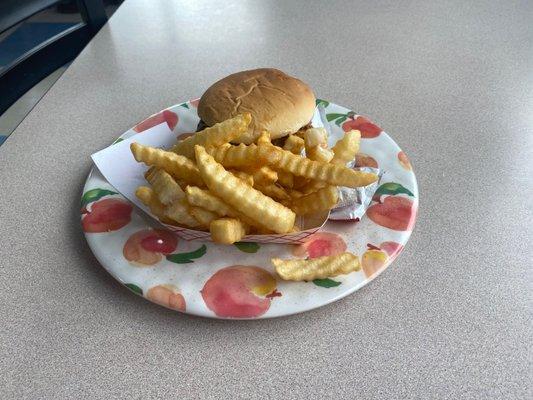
[30, 68]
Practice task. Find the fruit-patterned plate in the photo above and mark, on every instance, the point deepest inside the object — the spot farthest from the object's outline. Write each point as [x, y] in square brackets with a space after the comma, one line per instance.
[238, 281]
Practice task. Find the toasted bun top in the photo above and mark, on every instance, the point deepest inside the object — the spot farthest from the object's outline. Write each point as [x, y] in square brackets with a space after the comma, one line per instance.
[278, 102]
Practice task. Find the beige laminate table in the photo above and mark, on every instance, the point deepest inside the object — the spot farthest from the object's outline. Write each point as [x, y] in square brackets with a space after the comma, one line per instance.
[452, 318]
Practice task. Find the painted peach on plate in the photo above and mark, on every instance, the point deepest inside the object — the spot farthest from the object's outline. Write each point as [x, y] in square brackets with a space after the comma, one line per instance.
[404, 161]
[171, 118]
[167, 296]
[364, 160]
[106, 215]
[365, 126]
[320, 244]
[147, 246]
[395, 212]
[239, 291]
[194, 103]
[372, 261]
[391, 248]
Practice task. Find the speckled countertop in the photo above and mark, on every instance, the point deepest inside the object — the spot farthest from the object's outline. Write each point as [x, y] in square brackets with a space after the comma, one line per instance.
[450, 81]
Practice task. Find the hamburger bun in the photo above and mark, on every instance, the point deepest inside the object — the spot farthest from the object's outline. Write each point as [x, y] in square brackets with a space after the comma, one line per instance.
[278, 102]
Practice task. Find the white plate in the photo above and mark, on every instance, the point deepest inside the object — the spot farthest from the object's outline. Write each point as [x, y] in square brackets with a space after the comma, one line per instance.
[210, 280]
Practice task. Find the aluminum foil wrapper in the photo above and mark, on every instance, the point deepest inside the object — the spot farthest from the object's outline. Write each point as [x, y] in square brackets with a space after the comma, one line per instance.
[353, 203]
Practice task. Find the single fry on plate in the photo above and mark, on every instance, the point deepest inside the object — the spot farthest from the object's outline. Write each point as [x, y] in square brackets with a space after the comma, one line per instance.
[316, 268]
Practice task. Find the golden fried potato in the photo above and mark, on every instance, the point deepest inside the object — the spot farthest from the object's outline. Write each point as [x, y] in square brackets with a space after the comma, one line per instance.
[218, 134]
[205, 199]
[312, 186]
[165, 187]
[333, 174]
[295, 194]
[150, 200]
[319, 153]
[179, 167]
[294, 144]
[285, 179]
[179, 212]
[239, 195]
[301, 183]
[203, 216]
[227, 230]
[263, 138]
[274, 191]
[314, 137]
[242, 155]
[243, 176]
[264, 175]
[322, 200]
[346, 148]
[316, 268]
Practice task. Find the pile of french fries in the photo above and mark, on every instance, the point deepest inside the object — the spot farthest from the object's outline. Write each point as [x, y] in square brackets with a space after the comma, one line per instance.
[205, 183]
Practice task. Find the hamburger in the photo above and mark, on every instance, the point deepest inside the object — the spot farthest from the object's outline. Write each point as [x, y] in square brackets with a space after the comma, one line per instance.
[278, 102]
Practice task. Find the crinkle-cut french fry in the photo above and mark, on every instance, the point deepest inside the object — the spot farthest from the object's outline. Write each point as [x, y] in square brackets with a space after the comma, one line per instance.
[294, 144]
[316, 268]
[301, 183]
[322, 200]
[346, 148]
[285, 179]
[263, 138]
[313, 186]
[183, 184]
[333, 174]
[150, 200]
[216, 135]
[179, 167]
[165, 187]
[205, 199]
[274, 191]
[243, 155]
[319, 153]
[264, 175]
[203, 216]
[243, 176]
[241, 196]
[315, 137]
[179, 212]
[227, 230]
